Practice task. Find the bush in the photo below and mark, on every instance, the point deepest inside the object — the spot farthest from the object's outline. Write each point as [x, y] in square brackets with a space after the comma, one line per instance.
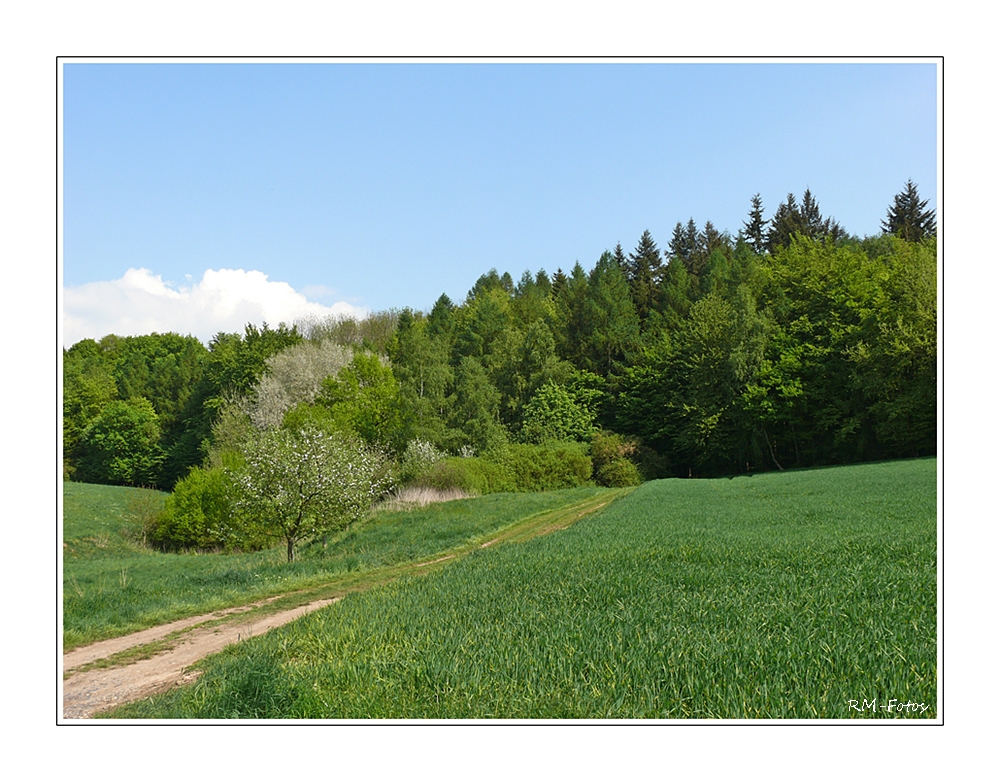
[199, 514]
[518, 468]
[618, 473]
[612, 466]
[547, 467]
[419, 457]
[472, 475]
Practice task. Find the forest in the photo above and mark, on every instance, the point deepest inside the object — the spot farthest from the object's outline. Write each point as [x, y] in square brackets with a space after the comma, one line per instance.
[791, 344]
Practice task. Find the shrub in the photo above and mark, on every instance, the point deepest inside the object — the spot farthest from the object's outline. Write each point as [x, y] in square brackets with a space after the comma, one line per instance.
[419, 457]
[562, 465]
[612, 466]
[199, 514]
[472, 475]
[618, 473]
[519, 467]
[144, 511]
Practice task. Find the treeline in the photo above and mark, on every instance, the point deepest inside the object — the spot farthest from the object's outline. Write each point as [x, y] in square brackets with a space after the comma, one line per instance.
[792, 344]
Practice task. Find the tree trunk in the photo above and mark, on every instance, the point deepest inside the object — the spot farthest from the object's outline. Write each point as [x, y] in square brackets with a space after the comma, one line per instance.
[771, 449]
[291, 550]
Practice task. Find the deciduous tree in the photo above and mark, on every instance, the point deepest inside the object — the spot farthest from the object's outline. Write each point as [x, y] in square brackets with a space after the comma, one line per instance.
[297, 485]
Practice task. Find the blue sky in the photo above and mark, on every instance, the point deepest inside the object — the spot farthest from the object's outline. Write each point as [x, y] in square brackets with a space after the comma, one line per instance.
[365, 186]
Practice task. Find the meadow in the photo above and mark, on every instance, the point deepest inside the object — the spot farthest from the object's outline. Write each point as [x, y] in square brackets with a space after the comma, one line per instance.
[780, 595]
[114, 585]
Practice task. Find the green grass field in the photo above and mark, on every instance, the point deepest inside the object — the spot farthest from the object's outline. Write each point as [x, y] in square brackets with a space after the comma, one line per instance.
[784, 595]
[112, 585]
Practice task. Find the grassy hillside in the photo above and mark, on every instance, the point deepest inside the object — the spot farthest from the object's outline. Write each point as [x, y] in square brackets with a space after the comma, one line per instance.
[112, 585]
[785, 595]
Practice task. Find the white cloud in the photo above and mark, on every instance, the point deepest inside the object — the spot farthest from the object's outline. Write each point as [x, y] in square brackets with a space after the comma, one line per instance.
[224, 300]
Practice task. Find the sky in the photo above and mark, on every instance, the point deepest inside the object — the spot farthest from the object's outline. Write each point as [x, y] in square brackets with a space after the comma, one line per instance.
[199, 196]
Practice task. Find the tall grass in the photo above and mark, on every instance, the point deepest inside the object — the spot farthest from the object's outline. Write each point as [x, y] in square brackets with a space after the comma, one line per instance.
[113, 586]
[776, 596]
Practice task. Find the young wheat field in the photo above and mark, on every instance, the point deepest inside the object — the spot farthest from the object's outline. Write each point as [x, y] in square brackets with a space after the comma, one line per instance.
[783, 595]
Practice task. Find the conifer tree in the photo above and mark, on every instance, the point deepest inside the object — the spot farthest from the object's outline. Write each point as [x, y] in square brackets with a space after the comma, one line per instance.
[684, 244]
[620, 258]
[908, 217]
[643, 272]
[786, 222]
[753, 229]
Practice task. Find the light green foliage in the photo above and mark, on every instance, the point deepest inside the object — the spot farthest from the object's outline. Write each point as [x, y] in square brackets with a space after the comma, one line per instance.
[518, 468]
[420, 365]
[611, 336]
[297, 485]
[363, 399]
[894, 363]
[473, 475]
[553, 465]
[553, 414]
[201, 514]
[373, 333]
[88, 387]
[618, 474]
[476, 409]
[122, 445]
[778, 596]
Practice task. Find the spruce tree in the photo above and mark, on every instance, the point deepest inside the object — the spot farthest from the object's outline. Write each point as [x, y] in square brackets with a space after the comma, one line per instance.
[620, 258]
[908, 217]
[643, 272]
[684, 244]
[753, 230]
[786, 222]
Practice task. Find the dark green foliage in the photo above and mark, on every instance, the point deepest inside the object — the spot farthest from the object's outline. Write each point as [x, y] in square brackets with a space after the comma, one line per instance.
[643, 270]
[609, 336]
[790, 220]
[908, 217]
[684, 244]
[754, 228]
[792, 346]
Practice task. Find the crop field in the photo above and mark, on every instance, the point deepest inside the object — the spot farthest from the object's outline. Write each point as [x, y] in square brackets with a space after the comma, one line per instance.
[783, 595]
[112, 585]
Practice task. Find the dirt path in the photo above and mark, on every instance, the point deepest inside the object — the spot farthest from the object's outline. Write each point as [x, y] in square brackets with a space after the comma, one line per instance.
[113, 672]
[87, 692]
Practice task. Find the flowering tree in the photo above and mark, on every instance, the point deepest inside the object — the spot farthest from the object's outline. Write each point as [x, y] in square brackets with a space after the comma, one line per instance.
[295, 485]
